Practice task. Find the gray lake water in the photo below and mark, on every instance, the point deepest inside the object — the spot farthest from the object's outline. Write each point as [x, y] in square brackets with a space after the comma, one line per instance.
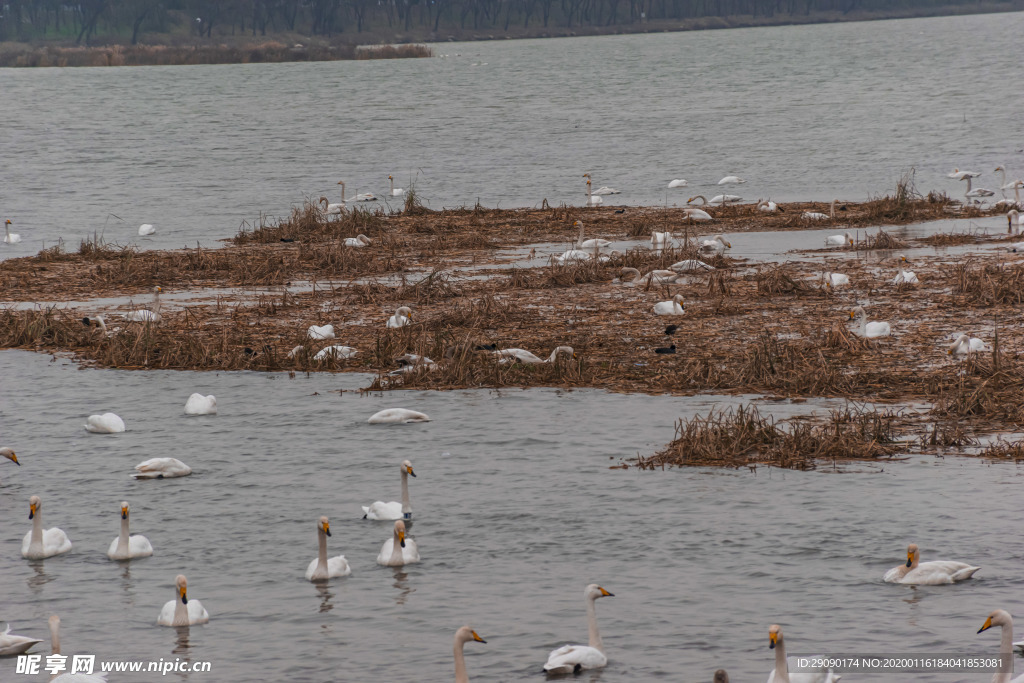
[515, 511]
[801, 112]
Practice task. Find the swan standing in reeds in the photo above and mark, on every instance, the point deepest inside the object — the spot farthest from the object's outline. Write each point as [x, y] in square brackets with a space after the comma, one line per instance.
[357, 241]
[731, 180]
[142, 315]
[10, 237]
[398, 550]
[54, 623]
[934, 573]
[395, 191]
[905, 277]
[678, 182]
[107, 423]
[337, 352]
[126, 547]
[595, 243]
[463, 636]
[394, 510]
[715, 245]
[320, 332]
[401, 318]
[181, 611]
[524, 356]
[397, 416]
[161, 468]
[573, 658]
[869, 329]
[767, 206]
[146, 229]
[197, 404]
[674, 307]
[321, 568]
[658, 277]
[38, 543]
[592, 199]
[1002, 618]
[780, 674]
[11, 645]
[839, 240]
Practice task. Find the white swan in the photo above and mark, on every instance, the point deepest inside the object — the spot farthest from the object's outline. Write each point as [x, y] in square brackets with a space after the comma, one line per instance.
[524, 356]
[957, 174]
[780, 674]
[197, 404]
[592, 199]
[1012, 221]
[595, 243]
[337, 352]
[715, 245]
[393, 510]
[1002, 618]
[674, 307]
[731, 180]
[976, 192]
[816, 216]
[142, 315]
[38, 543]
[869, 329]
[462, 636]
[572, 658]
[717, 199]
[181, 611]
[678, 182]
[836, 279]
[126, 547]
[934, 573]
[690, 265]
[605, 190]
[661, 240]
[905, 277]
[107, 423]
[321, 568]
[395, 191]
[11, 645]
[331, 209]
[839, 240]
[54, 623]
[161, 468]
[572, 255]
[398, 550]
[767, 205]
[10, 237]
[357, 241]
[696, 214]
[102, 324]
[658, 277]
[10, 455]
[401, 318]
[320, 332]
[397, 416]
[365, 197]
[146, 229]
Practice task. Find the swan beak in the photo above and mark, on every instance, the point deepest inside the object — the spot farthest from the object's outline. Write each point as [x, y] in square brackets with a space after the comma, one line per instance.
[773, 638]
[851, 315]
[327, 528]
[478, 638]
[988, 625]
[401, 538]
[411, 473]
[910, 558]
[14, 459]
[124, 513]
[184, 598]
[606, 593]
[159, 289]
[31, 510]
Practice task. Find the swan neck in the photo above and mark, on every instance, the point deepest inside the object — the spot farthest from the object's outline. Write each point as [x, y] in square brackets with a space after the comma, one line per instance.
[36, 541]
[460, 663]
[595, 635]
[781, 665]
[917, 558]
[55, 638]
[156, 301]
[396, 551]
[863, 323]
[321, 558]
[406, 506]
[180, 612]
[122, 538]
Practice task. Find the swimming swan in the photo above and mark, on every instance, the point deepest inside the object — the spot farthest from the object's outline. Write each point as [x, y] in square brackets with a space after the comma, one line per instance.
[872, 329]
[905, 277]
[397, 416]
[161, 468]
[54, 623]
[934, 573]
[605, 190]
[320, 332]
[197, 404]
[678, 182]
[181, 611]
[321, 568]
[393, 510]
[1002, 618]
[146, 229]
[839, 240]
[395, 191]
[398, 550]
[401, 317]
[524, 356]
[126, 547]
[595, 243]
[142, 315]
[10, 237]
[674, 307]
[592, 199]
[780, 674]
[716, 245]
[567, 658]
[731, 180]
[39, 544]
[957, 174]
[967, 344]
[107, 423]
[11, 645]
[1012, 221]
[462, 636]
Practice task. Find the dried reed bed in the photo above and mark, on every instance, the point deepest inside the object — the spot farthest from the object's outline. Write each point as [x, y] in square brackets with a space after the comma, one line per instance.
[987, 284]
[1002, 450]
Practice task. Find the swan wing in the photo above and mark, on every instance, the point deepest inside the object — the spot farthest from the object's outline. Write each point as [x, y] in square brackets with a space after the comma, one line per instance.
[877, 329]
[166, 617]
[55, 541]
[411, 553]
[197, 614]
[384, 556]
[11, 645]
[939, 572]
[383, 511]
[338, 566]
[139, 546]
[81, 678]
[565, 658]
[894, 575]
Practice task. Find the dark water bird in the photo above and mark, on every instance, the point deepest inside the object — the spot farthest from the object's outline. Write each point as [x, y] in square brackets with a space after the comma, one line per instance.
[287, 239]
[620, 211]
[670, 349]
[671, 329]
[86, 322]
[721, 676]
[486, 347]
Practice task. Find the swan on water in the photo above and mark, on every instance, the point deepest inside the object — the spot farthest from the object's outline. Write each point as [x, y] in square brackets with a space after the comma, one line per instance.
[337, 352]
[592, 199]
[524, 356]
[678, 182]
[146, 229]
[767, 205]
[869, 329]
[321, 568]
[401, 318]
[181, 611]
[398, 550]
[976, 192]
[690, 265]
[1002, 618]
[393, 510]
[197, 404]
[142, 315]
[54, 624]
[357, 241]
[397, 416]
[605, 190]
[661, 240]
[780, 674]
[717, 199]
[731, 180]
[161, 468]
[320, 332]
[463, 636]
[395, 191]
[595, 243]
[572, 658]
[572, 255]
[957, 174]
[839, 240]
[39, 543]
[696, 214]
[658, 277]
[11, 644]
[934, 573]
[10, 237]
[107, 423]
[715, 245]
[365, 197]
[905, 277]
[126, 547]
[674, 307]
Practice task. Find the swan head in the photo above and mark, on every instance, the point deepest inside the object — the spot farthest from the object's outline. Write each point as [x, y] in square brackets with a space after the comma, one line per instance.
[567, 350]
[363, 238]
[593, 592]
[400, 532]
[124, 509]
[678, 298]
[998, 168]
[586, 175]
[323, 200]
[404, 311]
[1000, 617]
[903, 259]
[407, 468]
[181, 583]
[774, 636]
[912, 553]
[10, 455]
[324, 526]
[157, 289]
[859, 310]
[34, 504]
[721, 676]
[467, 634]
[961, 340]
[391, 177]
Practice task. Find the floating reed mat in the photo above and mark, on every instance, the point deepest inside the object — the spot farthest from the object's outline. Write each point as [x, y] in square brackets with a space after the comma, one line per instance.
[742, 436]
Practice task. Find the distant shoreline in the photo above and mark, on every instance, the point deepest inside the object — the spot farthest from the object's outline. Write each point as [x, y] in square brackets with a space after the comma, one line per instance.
[410, 44]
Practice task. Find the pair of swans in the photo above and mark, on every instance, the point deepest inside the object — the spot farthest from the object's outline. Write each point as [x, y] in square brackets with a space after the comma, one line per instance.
[592, 199]
[10, 237]
[573, 658]
[38, 543]
[197, 404]
[126, 547]
[107, 423]
[161, 468]
[524, 356]
[869, 329]
[321, 568]
[657, 277]
[967, 344]
[181, 611]
[673, 307]
[1002, 618]
[334, 209]
[905, 277]
[934, 573]
[382, 511]
[398, 550]
[142, 315]
[401, 318]
[718, 199]
[397, 416]
[781, 674]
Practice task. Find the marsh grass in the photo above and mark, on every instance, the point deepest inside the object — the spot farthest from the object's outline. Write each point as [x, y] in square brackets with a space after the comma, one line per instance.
[988, 284]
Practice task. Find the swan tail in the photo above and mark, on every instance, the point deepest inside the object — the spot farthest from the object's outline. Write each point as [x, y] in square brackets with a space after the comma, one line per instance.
[964, 574]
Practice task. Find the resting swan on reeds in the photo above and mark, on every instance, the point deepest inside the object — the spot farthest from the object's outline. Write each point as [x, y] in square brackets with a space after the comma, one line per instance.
[382, 511]
[869, 329]
[398, 550]
[336, 352]
[781, 674]
[934, 573]
[572, 658]
[690, 265]
[401, 318]
[717, 199]
[321, 568]
[835, 280]
[1002, 618]
[966, 344]
[816, 216]
[462, 636]
[768, 206]
[41, 543]
[674, 307]
[524, 356]
[357, 241]
[905, 277]
[655, 276]
[320, 332]
[126, 547]
[181, 611]
[102, 324]
[141, 315]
